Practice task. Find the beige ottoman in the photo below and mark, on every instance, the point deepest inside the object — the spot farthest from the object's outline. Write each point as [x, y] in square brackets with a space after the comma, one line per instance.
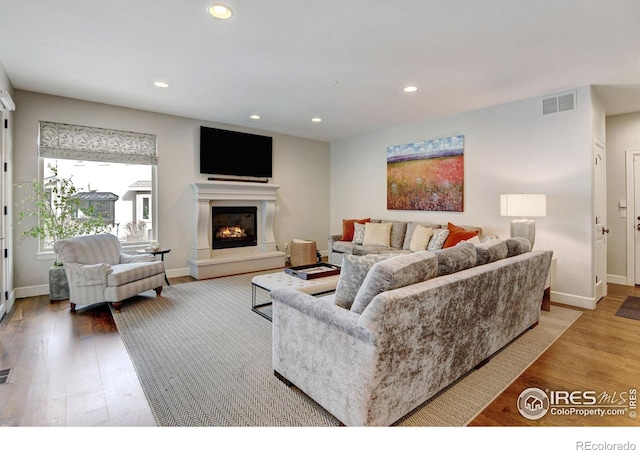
[279, 280]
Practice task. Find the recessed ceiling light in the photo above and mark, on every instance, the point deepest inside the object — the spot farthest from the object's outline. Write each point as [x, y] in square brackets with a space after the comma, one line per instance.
[220, 11]
[316, 119]
[161, 84]
[254, 117]
[410, 88]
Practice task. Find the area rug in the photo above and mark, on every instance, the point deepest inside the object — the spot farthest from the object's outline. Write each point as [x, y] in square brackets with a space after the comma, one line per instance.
[204, 359]
[630, 308]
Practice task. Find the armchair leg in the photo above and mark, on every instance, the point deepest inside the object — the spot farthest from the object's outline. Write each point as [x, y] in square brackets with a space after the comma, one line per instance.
[72, 307]
[158, 291]
[117, 306]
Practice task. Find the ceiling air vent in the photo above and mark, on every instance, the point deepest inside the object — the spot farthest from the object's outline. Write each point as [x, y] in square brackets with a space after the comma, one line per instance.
[559, 103]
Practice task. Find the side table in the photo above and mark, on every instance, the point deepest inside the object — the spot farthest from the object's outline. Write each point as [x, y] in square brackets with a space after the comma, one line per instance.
[161, 251]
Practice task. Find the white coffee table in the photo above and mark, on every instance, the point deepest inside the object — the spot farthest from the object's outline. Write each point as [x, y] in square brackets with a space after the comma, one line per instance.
[281, 280]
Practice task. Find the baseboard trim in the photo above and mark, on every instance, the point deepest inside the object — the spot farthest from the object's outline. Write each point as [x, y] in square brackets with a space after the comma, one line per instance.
[573, 300]
[32, 291]
[618, 279]
[174, 273]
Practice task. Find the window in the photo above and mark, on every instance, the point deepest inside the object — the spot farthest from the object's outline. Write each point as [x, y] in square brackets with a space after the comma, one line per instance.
[122, 193]
[113, 171]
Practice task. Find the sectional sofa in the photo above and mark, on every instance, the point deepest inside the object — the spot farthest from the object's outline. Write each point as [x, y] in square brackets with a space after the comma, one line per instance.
[400, 328]
[379, 236]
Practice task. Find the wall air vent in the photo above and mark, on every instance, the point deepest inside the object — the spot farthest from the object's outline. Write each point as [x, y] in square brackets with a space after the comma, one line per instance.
[559, 103]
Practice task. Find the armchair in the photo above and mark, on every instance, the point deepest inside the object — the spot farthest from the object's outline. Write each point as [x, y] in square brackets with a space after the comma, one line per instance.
[98, 271]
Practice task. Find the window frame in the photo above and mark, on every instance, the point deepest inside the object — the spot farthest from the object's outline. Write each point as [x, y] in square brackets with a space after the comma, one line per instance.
[48, 253]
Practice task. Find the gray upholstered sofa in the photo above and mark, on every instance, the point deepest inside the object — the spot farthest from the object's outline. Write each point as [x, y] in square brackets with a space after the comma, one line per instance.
[399, 240]
[418, 322]
[98, 271]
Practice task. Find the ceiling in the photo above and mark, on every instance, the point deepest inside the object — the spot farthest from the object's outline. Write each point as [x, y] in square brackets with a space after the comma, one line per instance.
[345, 61]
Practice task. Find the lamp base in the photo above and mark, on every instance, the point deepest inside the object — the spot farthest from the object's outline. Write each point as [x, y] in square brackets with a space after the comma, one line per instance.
[525, 228]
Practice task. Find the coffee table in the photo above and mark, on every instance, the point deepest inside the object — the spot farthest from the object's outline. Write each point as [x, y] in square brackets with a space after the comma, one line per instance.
[280, 280]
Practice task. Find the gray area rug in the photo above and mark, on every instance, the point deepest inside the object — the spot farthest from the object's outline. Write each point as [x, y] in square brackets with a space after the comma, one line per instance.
[204, 359]
[630, 308]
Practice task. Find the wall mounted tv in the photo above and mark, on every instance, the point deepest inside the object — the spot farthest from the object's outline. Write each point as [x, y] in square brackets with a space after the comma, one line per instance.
[225, 152]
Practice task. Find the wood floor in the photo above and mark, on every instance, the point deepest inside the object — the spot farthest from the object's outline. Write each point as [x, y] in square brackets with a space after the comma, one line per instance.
[73, 369]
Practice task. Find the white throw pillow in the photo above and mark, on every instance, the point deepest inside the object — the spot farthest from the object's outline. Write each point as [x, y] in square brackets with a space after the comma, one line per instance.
[358, 233]
[437, 241]
[377, 234]
[420, 238]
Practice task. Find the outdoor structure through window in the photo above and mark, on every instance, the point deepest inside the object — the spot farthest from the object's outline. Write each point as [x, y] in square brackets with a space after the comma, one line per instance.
[113, 171]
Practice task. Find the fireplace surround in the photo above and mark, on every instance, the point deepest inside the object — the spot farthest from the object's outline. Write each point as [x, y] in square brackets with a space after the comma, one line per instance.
[207, 261]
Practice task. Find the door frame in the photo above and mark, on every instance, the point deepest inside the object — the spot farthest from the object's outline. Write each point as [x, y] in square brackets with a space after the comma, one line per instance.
[631, 214]
[600, 258]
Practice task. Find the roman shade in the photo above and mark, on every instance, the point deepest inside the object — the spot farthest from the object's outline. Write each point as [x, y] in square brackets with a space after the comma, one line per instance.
[83, 143]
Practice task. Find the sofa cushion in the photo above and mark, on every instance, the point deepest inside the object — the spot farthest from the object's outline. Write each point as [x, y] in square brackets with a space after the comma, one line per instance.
[377, 234]
[437, 240]
[358, 233]
[491, 250]
[394, 273]
[411, 226]
[517, 246]
[454, 259]
[457, 234]
[127, 273]
[352, 274]
[420, 238]
[347, 228]
[398, 230]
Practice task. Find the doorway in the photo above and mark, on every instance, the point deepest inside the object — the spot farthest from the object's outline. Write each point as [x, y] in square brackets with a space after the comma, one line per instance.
[633, 221]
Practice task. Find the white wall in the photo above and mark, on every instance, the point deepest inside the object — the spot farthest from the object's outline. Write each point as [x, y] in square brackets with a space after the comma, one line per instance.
[301, 167]
[509, 148]
[623, 134]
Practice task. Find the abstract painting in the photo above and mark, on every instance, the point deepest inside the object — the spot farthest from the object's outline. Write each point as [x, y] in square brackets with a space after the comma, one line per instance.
[426, 176]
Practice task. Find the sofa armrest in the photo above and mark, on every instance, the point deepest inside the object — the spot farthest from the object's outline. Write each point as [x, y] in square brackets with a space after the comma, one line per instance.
[125, 258]
[87, 274]
[324, 311]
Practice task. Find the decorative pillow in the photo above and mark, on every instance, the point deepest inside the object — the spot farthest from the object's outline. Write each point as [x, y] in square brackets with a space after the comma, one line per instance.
[454, 259]
[352, 274]
[457, 234]
[420, 238]
[437, 240]
[517, 246]
[377, 234]
[411, 226]
[394, 273]
[398, 230]
[358, 233]
[347, 228]
[490, 250]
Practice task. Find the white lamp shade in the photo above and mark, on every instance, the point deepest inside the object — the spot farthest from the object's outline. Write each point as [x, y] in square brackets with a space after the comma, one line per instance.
[523, 205]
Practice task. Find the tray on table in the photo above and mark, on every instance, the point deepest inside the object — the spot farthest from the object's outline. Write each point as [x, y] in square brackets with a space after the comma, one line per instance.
[312, 271]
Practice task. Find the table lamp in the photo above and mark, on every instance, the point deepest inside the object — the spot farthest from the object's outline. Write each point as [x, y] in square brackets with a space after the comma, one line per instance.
[523, 206]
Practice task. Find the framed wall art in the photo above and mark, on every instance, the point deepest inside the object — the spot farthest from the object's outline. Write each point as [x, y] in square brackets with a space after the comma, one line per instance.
[426, 176]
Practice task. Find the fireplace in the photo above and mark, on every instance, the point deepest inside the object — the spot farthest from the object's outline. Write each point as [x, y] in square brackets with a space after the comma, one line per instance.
[234, 226]
[209, 260]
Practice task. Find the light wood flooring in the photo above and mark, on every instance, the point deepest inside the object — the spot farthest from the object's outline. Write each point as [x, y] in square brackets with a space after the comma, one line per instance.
[73, 369]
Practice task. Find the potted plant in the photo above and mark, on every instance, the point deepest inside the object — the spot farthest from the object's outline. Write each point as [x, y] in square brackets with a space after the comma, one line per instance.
[60, 216]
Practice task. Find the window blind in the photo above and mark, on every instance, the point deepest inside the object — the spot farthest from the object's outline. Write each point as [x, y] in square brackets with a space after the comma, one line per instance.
[83, 143]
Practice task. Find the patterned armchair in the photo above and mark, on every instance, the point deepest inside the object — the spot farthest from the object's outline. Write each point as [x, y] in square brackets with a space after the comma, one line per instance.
[98, 271]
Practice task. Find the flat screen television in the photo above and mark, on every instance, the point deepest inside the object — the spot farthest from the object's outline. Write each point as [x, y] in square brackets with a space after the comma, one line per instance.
[225, 152]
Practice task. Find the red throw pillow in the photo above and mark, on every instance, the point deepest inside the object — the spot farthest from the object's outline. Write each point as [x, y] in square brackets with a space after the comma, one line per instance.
[347, 228]
[457, 234]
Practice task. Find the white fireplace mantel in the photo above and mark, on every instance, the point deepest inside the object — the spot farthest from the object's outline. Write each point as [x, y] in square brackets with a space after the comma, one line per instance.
[206, 262]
